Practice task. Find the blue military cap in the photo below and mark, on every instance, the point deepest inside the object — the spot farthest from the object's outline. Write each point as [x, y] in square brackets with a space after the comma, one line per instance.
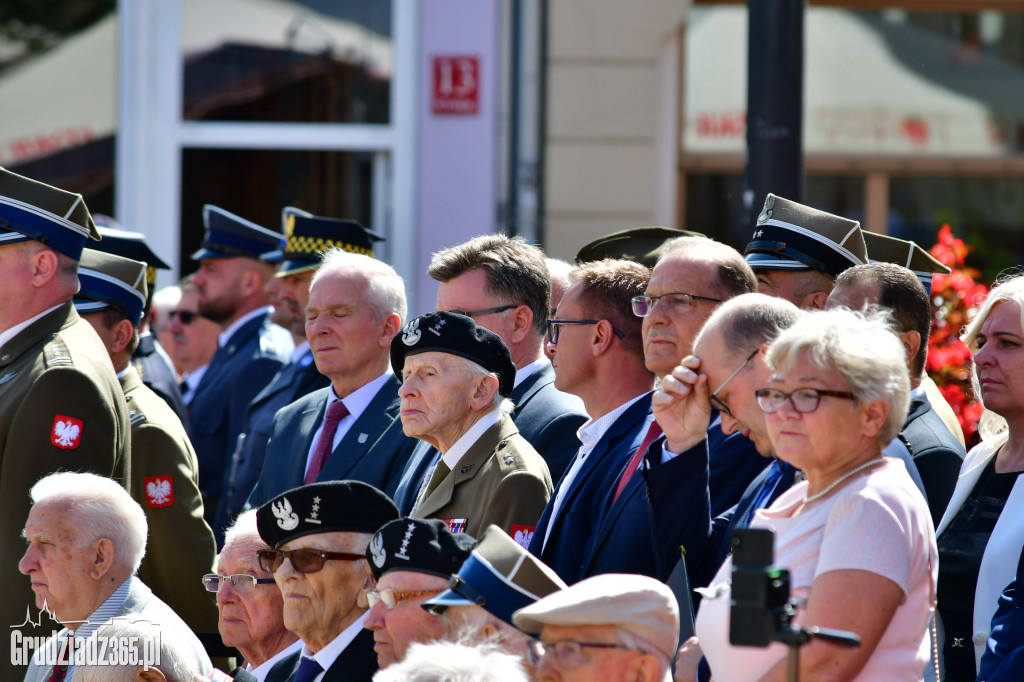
[499, 576]
[791, 236]
[885, 249]
[307, 237]
[230, 236]
[109, 281]
[34, 210]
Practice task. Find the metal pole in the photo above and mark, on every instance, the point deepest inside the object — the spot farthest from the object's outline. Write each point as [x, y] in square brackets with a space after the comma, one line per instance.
[775, 87]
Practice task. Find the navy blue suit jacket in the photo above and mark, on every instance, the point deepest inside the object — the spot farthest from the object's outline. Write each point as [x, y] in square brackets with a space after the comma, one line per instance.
[293, 381]
[622, 541]
[1003, 660]
[356, 663]
[583, 501]
[238, 371]
[364, 454]
[734, 462]
[422, 458]
[936, 452]
[158, 374]
[548, 419]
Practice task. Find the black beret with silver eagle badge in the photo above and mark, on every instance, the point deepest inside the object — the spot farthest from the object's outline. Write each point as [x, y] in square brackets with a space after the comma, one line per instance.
[420, 545]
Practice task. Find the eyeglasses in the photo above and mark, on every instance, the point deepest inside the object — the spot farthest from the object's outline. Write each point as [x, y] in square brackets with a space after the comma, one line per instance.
[390, 599]
[240, 581]
[802, 399]
[553, 326]
[568, 653]
[673, 304]
[305, 560]
[718, 402]
[186, 316]
[485, 311]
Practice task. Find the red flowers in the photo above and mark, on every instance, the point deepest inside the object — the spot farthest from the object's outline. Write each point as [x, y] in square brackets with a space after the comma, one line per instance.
[953, 297]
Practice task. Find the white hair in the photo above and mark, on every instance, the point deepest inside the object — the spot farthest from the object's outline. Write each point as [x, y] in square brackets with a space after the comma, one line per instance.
[1006, 290]
[862, 349]
[467, 623]
[99, 508]
[478, 371]
[384, 287]
[174, 660]
[641, 644]
[455, 662]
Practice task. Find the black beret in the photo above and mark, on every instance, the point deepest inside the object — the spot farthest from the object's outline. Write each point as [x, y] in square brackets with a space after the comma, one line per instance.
[421, 545]
[456, 334]
[325, 507]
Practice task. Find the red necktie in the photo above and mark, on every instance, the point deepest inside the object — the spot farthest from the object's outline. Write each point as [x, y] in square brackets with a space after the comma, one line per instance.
[336, 411]
[58, 674]
[634, 462]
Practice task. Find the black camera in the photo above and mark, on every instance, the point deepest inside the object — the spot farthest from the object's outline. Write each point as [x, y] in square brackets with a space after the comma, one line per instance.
[761, 605]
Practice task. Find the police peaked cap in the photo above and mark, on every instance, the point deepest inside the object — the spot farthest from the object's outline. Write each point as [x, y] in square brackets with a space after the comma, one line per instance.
[639, 244]
[324, 507]
[456, 334]
[307, 237]
[791, 236]
[231, 236]
[420, 545]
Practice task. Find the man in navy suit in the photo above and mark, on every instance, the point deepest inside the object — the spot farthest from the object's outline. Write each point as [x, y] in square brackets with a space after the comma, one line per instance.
[597, 353]
[504, 285]
[935, 450]
[250, 349]
[307, 237]
[356, 306]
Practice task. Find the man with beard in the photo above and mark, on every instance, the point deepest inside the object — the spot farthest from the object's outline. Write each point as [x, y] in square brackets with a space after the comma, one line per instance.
[250, 349]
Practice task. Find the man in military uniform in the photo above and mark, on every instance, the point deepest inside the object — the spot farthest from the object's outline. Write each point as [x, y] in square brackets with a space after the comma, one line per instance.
[150, 359]
[165, 478]
[60, 404]
[251, 350]
[455, 379]
[307, 238]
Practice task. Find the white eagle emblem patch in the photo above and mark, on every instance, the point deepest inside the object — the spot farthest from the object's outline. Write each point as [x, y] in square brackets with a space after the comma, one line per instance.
[411, 334]
[377, 550]
[286, 518]
[159, 491]
[66, 432]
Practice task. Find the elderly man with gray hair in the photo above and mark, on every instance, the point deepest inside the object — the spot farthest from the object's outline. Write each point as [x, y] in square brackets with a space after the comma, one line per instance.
[249, 604]
[610, 627]
[456, 377]
[86, 537]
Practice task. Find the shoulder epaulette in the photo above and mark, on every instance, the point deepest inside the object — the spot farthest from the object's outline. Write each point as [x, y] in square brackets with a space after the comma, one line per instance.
[56, 353]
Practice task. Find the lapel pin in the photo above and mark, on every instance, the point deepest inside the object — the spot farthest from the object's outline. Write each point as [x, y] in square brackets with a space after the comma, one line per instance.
[363, 437]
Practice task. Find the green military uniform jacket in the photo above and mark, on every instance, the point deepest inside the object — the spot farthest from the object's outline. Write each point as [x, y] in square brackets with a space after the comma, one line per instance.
[61, 409]
[501, 480]
[165, 481]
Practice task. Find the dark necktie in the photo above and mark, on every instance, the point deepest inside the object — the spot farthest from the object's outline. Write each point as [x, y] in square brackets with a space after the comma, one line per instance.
[634, 462]
[440, 471]
[308, 669]
[336, 411]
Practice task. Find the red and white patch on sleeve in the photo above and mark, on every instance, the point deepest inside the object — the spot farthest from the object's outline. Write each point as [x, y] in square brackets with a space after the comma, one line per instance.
[522, 535]
[159, 491]
[66, 433]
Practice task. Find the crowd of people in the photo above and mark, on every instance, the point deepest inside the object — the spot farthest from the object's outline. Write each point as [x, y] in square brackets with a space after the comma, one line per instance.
[275, 472]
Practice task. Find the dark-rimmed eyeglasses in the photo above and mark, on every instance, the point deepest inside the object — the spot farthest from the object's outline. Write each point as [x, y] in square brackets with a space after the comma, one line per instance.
[674, 303]
[718, 402]
[185, 316]
[305, 560]
[803, 400]
[242, 582]
[553, 326]
[485, 311]
[389, 598]
[568, 653]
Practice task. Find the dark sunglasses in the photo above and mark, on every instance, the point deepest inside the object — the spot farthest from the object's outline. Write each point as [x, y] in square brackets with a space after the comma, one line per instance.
[186, 316]
[305, 560]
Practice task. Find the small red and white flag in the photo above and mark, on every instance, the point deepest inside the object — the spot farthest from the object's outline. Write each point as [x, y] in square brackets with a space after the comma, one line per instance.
[159, 491]
[66, 433]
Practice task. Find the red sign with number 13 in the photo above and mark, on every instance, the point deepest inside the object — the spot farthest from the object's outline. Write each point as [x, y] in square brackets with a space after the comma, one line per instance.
[456, 85]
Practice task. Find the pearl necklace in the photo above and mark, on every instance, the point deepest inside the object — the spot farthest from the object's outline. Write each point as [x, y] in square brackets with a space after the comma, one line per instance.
[852, 472]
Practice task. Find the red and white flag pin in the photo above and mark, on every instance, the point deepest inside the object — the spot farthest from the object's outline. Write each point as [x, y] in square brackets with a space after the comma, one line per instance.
[66, 432]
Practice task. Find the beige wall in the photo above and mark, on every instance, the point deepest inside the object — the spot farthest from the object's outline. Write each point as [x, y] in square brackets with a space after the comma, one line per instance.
[605, 98]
